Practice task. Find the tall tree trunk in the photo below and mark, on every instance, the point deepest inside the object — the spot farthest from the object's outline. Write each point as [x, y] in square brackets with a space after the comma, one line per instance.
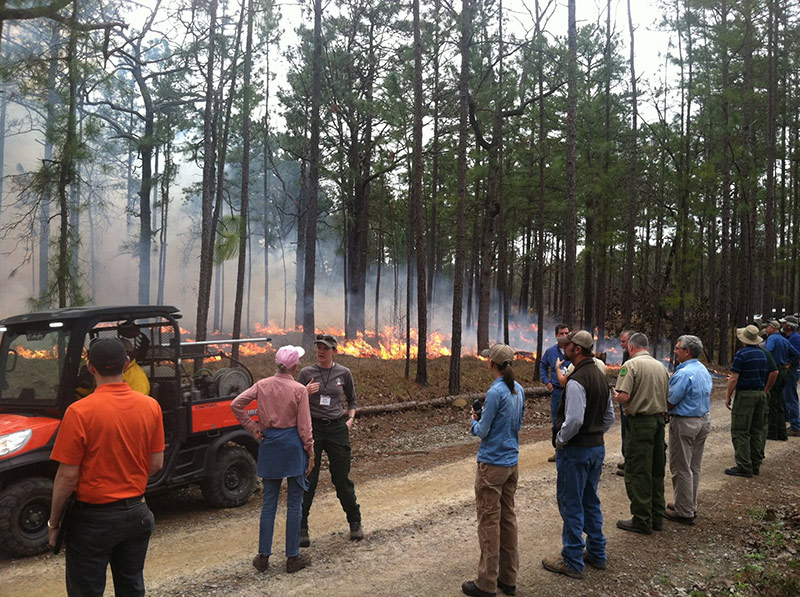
[571, 222]
[416, 200]
[309, 276]
[465, 22]
[540, 245]
[768, 287]
[209, 161]
[633, 199]
[244, 211]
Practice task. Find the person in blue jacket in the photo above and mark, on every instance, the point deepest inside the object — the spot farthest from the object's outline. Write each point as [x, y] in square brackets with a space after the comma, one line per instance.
[548, 373]
[497, 424]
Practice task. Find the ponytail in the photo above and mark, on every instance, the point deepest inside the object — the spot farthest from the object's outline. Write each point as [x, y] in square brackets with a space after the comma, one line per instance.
[508, 376]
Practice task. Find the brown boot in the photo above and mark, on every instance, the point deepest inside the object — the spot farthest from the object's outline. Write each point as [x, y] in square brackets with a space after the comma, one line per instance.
[261, 563]
[297, 562]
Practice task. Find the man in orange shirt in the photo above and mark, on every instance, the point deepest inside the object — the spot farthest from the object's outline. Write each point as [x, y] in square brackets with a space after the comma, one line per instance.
[108, 445]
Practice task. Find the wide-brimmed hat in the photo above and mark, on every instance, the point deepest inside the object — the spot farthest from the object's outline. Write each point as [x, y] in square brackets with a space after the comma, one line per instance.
[289, 355]
[748, 335]
[791, 320]
[327, 340]
[581, 338]
[499, 354]
[774, 323]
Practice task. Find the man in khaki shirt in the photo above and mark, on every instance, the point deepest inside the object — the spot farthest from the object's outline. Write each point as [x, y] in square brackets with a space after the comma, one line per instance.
[642, 389]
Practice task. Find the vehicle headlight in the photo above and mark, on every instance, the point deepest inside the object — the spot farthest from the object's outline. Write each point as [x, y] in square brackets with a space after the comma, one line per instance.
[14, 441]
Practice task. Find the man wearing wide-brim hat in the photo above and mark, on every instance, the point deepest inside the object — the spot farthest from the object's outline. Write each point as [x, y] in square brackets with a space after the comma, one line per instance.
[786, 357]
[752, 374]
[790, 401]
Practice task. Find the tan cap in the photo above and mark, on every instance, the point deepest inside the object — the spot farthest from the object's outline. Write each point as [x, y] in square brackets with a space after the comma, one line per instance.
[748, 335]
[499, 353]
[581, 338]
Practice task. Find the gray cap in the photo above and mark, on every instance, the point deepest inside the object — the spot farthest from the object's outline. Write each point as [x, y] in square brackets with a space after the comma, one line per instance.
[581, 338]
[499, 353]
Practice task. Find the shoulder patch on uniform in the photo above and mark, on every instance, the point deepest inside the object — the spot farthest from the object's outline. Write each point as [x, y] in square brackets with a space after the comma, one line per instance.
[623, 371]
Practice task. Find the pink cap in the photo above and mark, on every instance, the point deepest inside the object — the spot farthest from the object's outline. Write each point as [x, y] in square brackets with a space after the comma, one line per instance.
[289, 355]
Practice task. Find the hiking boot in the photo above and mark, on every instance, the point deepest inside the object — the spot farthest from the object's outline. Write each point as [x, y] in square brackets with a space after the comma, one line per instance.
[621, 465]
[559, 566]
[297, 562]
[552, 458]
[468, 587]
[587, 559]
[507, 589]
[261, 563]
[304, 539]
[633, 527]
[735, 471]
[356, 534]
[670, 514]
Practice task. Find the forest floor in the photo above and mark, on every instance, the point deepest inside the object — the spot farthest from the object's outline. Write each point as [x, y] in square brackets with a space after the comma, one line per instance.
[414, 475]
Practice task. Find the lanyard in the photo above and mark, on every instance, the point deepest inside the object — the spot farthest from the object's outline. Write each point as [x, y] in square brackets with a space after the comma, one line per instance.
[323, 380]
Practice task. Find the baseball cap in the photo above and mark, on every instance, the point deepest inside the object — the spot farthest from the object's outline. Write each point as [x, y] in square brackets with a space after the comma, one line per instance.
[289, 355]
[499, 353]
[107, 355]
[327, 340]
[581, 338]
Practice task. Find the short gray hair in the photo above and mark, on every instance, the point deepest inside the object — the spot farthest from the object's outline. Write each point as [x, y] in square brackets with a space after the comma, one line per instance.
[639, 340]
[627, 333]
[691, 343]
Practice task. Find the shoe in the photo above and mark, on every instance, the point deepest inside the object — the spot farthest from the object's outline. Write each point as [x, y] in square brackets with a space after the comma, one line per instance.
[261, 563]
[304, 539]
[356, 534]
[670, 514]
[630, 525]
[468, 587]
[793, 433]
[559, 566]
[671, 506]
[552, 458]
[621, 465]
[735, 471]
[297, 562]
[507, 589]
[620, 472]
[587, 559]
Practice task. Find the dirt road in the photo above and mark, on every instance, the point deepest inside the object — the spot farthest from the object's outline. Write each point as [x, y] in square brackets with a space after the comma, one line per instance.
[421, 539]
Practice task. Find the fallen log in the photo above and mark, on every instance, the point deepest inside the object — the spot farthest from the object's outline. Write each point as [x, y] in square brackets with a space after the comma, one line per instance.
[380, 409]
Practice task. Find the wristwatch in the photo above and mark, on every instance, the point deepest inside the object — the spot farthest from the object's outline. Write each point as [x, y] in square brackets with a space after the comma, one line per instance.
[52, 527]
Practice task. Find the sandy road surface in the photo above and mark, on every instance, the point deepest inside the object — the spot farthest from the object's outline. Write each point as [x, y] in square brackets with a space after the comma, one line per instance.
[421, 537]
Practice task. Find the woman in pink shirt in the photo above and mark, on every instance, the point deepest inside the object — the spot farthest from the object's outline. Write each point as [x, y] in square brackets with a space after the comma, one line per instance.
[286, 451]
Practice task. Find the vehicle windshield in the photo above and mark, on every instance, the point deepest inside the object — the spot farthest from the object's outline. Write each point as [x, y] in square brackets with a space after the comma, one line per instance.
[31, 364]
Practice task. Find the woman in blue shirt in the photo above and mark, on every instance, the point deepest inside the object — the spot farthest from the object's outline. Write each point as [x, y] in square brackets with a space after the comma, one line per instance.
[498, 427]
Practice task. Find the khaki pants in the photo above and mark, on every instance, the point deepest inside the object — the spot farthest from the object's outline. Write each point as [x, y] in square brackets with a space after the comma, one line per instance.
[497, 525]
[687, 439]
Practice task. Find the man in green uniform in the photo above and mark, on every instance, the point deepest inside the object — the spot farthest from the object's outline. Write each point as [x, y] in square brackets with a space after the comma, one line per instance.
[642, 389]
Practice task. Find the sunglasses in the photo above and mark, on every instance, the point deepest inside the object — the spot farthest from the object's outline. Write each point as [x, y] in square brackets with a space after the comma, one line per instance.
[326, 337]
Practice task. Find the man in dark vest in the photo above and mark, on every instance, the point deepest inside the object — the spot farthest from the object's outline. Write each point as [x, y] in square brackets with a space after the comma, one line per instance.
[584, 415]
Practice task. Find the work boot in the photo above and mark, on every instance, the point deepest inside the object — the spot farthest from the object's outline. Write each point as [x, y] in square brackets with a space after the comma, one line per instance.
[552, 458]
[735, 471]
[507, 589]
[297, 562]
[304, 540]
[559, 566]
[587, 559]
[261, 563]
[670, 514]
[468, 587]
[630, 525]
[356, 534]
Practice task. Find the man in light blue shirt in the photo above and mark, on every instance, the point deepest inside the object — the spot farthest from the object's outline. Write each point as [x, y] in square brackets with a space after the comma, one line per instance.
[688, 404]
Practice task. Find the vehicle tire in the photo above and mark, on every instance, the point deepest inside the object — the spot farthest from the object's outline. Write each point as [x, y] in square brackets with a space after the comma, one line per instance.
[24, 511]
[231, 479]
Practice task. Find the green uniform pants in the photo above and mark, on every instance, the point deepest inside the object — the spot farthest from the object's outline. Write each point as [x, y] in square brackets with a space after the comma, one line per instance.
[775, 422]
[645, 461]
[332, 437]
[748, 430]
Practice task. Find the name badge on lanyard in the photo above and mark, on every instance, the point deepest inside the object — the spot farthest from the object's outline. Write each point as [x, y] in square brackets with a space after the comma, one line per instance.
[324, 400]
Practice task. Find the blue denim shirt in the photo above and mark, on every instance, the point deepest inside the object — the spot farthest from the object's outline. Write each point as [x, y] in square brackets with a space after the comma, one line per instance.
[547, 368]
[782, 350]
[690, 389]
[499, 426]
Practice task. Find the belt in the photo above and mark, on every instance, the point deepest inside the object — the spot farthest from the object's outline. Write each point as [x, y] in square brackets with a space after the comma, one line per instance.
[123, 503]
[643, 415]
[328, 421]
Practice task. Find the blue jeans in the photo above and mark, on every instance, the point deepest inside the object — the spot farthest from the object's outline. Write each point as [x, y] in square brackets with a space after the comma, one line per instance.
[555, 400]
[578, 474]
[97, 537]
[294, 512]
[790, 402]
